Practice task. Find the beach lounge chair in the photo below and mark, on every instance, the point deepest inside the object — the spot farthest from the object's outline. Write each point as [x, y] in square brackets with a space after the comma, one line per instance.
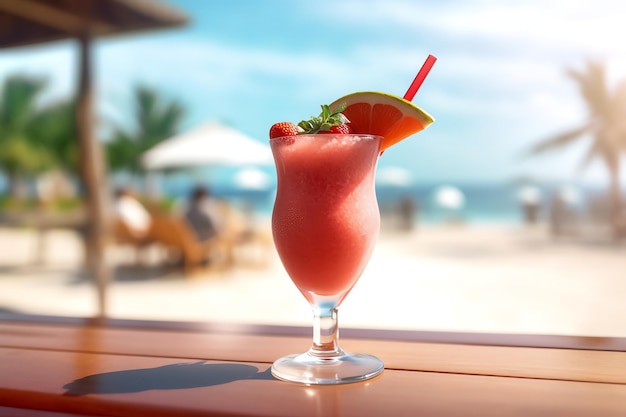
[123, 235]
[173, 232]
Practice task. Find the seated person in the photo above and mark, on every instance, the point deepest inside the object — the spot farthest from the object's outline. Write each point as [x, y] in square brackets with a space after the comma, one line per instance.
[214, 220]
[132, 213]
[204, 215]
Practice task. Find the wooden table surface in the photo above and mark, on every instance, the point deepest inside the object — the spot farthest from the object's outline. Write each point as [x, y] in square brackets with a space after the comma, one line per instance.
[78, 368]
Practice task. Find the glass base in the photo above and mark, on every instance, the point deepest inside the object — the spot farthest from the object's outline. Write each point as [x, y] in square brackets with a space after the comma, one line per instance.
[315, 370]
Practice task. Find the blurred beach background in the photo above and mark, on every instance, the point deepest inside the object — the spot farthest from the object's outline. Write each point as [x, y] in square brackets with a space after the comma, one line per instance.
[506, 215]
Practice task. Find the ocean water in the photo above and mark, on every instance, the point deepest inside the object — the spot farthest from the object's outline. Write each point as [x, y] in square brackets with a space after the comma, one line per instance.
[478, 203]
[497, 203]
[491, 203]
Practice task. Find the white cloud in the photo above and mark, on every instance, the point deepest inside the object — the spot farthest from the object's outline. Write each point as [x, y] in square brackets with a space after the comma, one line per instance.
[593, 24]
[585, 25]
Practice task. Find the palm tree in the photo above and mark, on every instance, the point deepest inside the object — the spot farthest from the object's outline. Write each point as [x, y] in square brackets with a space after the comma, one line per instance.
[20, 156]
[156, 120]
[604, 125]
[54, 129]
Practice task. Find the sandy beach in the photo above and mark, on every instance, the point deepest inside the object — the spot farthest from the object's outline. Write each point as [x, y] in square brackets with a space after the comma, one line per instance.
[463, 278]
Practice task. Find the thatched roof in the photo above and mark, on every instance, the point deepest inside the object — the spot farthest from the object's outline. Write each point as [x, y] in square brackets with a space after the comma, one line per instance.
[27, 22]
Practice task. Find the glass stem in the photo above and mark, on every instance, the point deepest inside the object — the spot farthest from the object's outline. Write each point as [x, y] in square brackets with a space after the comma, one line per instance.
[325, 332]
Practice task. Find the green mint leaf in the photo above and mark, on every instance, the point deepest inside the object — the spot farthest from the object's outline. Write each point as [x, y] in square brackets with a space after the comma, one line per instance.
[325, 112]
[341, 108]
[326, 119]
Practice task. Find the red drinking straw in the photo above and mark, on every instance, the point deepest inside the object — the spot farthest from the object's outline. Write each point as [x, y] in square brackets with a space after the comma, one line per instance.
[420, 77]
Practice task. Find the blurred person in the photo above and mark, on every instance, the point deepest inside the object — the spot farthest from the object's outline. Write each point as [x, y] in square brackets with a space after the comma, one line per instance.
[232, 234]
[204, 214]
[407, 210]
[530, 201]
[563, 211]
[559, 215]
[132, 213]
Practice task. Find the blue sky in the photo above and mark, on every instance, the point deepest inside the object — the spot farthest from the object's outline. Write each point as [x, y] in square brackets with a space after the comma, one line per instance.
[498, 86]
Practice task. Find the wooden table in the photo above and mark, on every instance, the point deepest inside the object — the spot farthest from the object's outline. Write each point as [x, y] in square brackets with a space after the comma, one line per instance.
[71, 367]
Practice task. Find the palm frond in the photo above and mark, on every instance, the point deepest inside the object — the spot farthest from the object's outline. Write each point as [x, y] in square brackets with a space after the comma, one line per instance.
[53, 128]
[558, 141]
[156, 120]
[619, 111]
[170, 119]
[593, 152]
[17, 102]
[593, 88]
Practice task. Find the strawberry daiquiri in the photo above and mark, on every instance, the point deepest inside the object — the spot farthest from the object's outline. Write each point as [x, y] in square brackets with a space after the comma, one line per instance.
[325, 220]
[325, 223]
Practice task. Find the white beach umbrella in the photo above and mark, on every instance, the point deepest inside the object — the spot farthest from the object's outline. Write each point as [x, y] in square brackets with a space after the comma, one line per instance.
[449, 197]
[207, 145]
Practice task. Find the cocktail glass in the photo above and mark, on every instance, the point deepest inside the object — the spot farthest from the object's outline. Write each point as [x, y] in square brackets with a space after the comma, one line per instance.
[325, 224]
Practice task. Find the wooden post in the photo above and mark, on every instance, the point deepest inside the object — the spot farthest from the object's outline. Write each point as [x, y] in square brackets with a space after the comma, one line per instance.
[93, 173]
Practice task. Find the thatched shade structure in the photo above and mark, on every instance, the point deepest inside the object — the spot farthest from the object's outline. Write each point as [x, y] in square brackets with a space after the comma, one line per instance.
[28, 22]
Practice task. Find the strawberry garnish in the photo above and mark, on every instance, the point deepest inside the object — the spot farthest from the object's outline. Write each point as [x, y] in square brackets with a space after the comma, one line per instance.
[284, 129]
[339, 129]
[329, 121]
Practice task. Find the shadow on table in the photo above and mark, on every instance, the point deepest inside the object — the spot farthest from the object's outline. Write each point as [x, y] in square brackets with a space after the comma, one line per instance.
[6, 310]
[168, 377]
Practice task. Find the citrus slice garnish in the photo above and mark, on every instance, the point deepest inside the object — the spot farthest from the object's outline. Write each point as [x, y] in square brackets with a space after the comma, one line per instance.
[382, 114]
